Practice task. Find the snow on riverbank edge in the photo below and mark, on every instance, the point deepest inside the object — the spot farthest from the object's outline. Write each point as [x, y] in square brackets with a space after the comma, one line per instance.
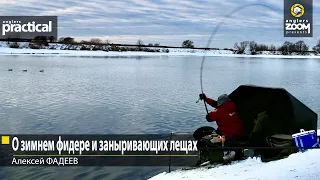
[174, 52]
[299, 166]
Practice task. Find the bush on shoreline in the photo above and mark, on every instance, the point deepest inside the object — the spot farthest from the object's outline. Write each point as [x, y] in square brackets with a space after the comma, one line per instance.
[34, 46]
[83, 48]
[14, 45]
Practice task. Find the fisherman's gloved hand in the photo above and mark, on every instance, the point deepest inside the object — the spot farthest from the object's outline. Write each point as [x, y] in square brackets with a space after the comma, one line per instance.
[208, 118]
[202, 96]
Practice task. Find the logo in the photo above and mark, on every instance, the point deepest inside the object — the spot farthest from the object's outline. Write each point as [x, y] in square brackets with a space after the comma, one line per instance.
[297, 10]
[17, 27]
[302, 26]
[298, 18]
[27, 27]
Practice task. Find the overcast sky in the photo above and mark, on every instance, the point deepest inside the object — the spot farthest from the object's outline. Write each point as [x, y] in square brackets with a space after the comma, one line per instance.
[167, 22]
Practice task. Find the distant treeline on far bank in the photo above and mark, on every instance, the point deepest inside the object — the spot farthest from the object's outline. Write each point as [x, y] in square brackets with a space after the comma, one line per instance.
[244, 47]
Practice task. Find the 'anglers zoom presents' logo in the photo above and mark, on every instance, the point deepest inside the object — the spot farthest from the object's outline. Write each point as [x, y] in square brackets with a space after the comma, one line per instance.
[297, 10]
[298, 18]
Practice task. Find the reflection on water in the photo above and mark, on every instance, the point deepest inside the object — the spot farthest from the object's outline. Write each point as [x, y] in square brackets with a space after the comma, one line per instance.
[129, 95]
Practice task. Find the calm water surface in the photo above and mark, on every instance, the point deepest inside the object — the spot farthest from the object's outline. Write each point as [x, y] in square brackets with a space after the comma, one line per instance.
[76, 95]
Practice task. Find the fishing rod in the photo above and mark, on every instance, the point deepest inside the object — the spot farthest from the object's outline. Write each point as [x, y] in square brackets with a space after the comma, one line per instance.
[213, 33]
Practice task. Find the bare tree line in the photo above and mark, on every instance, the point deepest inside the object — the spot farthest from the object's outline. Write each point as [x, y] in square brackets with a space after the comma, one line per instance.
[286, 48]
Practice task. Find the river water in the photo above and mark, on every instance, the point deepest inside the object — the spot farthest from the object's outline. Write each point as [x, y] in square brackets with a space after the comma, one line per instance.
[81, 95]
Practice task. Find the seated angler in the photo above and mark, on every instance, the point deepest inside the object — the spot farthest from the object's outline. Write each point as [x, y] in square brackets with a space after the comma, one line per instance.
[230, 127]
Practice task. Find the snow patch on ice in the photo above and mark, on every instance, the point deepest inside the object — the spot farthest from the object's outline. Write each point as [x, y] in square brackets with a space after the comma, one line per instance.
[302, 166]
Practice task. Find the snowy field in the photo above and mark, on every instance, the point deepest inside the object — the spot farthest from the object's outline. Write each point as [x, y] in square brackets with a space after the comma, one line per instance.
[56, 51]
[299, 166]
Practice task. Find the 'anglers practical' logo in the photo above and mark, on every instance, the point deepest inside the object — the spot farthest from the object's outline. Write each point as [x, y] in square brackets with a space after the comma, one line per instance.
[298, 18]
[17, 26]
[27, 27]
[297, 10]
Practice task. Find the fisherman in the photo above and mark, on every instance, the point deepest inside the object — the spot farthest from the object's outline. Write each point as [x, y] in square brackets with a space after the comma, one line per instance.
[230, 127]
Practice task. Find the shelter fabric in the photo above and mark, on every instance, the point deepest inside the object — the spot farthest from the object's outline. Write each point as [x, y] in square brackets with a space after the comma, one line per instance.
[286, 113]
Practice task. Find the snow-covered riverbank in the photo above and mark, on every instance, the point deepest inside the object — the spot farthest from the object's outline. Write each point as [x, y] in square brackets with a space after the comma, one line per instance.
[56, 50]
[299, 166]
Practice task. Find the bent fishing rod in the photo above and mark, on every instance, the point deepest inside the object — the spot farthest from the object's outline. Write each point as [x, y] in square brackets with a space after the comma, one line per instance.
[211, 38]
